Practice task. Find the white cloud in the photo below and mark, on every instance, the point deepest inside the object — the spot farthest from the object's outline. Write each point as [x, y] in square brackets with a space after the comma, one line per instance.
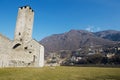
[90, 28]
[93, 28]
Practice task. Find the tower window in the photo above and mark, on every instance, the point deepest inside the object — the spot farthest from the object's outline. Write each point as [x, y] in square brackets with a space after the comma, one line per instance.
[20, 39]
[34, 58]
[25, 47]
[29, 63]
[19, 33]
[30, 52]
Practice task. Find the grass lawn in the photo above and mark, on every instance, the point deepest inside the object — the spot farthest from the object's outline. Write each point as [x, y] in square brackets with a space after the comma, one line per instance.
[60, 73]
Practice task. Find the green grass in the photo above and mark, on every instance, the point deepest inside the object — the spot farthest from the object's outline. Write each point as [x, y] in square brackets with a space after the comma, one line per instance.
[60, 73]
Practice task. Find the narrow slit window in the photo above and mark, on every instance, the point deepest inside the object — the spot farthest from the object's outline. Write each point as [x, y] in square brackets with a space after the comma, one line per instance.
[19, 33]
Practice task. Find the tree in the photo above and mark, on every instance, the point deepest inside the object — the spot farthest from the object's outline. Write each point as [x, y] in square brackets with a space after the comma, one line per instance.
[95, 59]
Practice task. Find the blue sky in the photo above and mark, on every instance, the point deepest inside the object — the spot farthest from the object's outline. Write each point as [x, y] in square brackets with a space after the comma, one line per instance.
[59, 16]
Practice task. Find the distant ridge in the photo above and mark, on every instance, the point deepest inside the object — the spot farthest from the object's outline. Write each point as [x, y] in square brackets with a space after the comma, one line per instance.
[75, 39]
[109, 34]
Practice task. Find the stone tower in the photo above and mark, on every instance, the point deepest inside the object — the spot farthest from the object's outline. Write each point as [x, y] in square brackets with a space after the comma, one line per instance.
[23, 51]
[24, 24]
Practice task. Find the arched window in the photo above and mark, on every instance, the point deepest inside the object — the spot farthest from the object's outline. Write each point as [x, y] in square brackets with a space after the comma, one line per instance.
[16, 45]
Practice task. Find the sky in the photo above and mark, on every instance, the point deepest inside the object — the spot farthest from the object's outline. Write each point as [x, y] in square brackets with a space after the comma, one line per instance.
[59, 16]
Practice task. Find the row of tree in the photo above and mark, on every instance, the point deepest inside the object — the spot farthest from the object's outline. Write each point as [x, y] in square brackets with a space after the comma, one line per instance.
[94, 59]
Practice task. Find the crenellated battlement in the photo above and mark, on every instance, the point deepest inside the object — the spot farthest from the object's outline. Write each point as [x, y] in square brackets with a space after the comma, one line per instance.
[26, 7]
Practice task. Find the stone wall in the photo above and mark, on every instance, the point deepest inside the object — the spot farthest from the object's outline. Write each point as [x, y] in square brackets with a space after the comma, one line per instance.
[5, 44]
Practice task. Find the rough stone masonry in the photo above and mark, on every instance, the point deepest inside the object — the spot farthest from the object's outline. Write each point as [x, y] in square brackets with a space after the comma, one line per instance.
[23, 51]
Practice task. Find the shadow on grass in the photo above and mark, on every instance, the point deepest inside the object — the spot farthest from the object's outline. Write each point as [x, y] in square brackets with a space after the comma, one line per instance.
[108, 77]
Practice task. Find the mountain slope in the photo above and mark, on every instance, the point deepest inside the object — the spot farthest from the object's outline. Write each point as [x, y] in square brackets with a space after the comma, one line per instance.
[109, 34]
[73, 40]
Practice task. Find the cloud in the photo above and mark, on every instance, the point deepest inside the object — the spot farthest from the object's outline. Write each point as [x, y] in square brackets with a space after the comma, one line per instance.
[92, 28]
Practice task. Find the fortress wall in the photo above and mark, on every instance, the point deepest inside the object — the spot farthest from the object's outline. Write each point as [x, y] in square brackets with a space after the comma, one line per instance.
[5, 45]
[4, 51]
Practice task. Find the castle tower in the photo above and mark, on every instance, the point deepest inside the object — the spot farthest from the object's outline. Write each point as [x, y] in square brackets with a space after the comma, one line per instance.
[24, 24]
[23, 51]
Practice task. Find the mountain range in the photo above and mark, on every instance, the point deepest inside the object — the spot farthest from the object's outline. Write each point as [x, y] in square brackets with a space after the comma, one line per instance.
[75, 39]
